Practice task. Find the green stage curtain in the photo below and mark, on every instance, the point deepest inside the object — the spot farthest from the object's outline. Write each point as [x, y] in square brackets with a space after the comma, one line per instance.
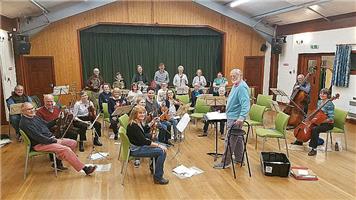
[121, 48]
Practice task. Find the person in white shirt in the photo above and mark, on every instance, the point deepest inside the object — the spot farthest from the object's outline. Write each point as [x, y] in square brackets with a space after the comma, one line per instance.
[162, 93]
[180, 81]
[199, 78]
[134, 93]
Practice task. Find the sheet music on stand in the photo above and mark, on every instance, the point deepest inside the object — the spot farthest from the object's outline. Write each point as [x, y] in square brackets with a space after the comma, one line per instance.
[276, 91]
[15, 108]
[215, 100]
[210, 116]
[183, 122]
[59, 90]
[122, 110]
[183, 109]
[275, 106]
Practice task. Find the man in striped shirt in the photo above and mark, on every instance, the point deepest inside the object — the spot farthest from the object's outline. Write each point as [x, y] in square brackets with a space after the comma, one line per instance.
[161, 76]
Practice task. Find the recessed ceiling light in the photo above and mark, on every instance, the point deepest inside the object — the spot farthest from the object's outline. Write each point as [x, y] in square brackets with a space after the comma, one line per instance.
[237, 3]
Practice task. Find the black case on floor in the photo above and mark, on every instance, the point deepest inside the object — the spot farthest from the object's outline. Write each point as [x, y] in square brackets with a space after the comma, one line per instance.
[275, 164]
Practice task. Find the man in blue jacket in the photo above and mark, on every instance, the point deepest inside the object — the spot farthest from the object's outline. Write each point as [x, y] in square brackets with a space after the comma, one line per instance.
[237, 108]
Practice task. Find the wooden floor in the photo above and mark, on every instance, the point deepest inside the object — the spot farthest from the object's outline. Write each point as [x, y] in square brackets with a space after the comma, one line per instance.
[336, 172]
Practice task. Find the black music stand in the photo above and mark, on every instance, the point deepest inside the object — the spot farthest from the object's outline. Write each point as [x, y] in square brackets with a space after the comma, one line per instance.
[244, 152]
[94, 133]
[220, 117]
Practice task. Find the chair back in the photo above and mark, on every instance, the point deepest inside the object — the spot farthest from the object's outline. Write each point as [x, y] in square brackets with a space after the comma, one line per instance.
[183, 98]
[105, 110]
[281, 122]
[264, 100]
[340, 118]
[256, 112]
[125, 144]
[124, 121]
[25, 139]
[201, 106]
[251, 91]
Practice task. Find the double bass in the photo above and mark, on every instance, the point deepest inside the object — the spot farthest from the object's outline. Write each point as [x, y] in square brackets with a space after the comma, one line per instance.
[303, 131]
[295, 108]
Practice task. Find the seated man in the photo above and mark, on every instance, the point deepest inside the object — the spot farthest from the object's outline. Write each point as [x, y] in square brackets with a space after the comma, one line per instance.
[43, 140]
[17, 96]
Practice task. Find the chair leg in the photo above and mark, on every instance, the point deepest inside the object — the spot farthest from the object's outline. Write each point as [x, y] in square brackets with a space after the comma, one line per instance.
[256, 143]
[331, 138]
[326, 143]
[285, 140]
[279, 145]
[263, 144]
[125, 170]
[118, 158]
[345, 141]
[26, 164]
[154, 165]
[55, 163]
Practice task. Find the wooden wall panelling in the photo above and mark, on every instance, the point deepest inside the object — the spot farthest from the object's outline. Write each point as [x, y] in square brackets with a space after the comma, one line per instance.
[7, 23]
[60, 39]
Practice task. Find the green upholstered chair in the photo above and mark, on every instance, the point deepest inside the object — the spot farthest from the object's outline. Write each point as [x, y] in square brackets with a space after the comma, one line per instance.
[264, 100]
[124, 120]
[200, 109]
[105, 114]
[255, 116]
[124, 153]
[339, 127]
[279, 132]
[183, 98]
[31, 153]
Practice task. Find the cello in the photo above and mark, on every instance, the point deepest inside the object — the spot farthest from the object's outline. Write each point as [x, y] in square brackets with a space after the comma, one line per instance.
[303, 131]
[296, 104]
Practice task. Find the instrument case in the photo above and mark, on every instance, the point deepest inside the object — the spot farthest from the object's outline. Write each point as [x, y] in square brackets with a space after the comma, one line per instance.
[275, 164]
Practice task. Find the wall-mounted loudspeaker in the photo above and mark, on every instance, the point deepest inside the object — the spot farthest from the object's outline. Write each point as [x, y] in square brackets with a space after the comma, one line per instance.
[263, 47]
[21, 44]
[276, 48]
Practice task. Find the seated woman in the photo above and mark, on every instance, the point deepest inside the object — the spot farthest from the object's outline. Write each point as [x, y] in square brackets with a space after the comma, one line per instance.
[219, 82]
[143, 147]
[195, 93]
[82, 119]
[162, 93]
[134, 93]
[199, 78]
[216, 109]
[115, 101]
[328, 124]
[104, 96]
[169, 107]
[17, 97]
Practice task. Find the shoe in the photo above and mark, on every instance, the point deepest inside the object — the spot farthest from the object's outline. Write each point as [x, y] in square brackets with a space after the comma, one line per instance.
[89, 169]
[161, 181]
[297, 143]
[60, 167]
[81, 146]
[221, 165]
[116, 137]
[203, 135]
[137, 163]
[236, 162]
[313, 152]
[97, 142]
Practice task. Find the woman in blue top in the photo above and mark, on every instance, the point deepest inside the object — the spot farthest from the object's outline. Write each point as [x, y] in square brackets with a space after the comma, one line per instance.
[219, 81]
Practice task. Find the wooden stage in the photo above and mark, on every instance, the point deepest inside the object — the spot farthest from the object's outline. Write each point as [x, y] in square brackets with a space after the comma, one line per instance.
[336, 172]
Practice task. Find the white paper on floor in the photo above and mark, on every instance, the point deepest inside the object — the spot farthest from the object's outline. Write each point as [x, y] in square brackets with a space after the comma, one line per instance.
[4, 142]
[103, 168]
[184, 172]
[99, 155]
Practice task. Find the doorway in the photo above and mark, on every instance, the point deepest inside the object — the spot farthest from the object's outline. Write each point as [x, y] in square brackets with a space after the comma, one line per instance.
[316, 63]
[253, 72]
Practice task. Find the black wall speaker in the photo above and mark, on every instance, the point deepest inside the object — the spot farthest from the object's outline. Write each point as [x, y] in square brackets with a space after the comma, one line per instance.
[263, 47]
[276, 48]
[21, 44]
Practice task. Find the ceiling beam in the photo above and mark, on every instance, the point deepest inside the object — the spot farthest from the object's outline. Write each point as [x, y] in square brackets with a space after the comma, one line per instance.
[33, 25]
[264, 30]
[289, 9]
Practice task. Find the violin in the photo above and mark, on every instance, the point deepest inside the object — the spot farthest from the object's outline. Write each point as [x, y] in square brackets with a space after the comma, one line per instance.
[152, 123]
[303, 131]
[92, 112]
[165, 114]
[64, 124]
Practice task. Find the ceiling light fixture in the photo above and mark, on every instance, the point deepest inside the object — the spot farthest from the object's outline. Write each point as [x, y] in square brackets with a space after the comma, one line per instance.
[237, 3]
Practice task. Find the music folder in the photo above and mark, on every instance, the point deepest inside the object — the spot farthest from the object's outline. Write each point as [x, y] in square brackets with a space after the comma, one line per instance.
[122, 110]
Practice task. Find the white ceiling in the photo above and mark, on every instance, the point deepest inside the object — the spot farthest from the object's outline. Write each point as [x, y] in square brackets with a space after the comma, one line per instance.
[252, 8]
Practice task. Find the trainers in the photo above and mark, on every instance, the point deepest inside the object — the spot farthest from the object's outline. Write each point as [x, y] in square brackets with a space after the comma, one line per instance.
[313, 152]
[161, 181]
[60, 167]
[89, 169]
[137, 163]
[221, 165]
[297, 143]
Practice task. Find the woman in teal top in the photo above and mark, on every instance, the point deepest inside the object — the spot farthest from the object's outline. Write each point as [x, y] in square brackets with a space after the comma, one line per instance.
[219, 81]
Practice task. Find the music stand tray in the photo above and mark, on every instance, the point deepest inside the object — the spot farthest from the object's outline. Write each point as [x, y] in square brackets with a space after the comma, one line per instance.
[122, 110]
[215, 100]
[59, 90]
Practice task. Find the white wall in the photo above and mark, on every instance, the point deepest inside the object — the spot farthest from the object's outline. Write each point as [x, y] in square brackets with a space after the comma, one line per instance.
[266, 70]
[7, 66]
[327, 40]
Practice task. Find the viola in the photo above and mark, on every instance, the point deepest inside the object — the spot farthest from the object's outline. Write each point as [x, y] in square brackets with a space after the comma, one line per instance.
[303, 131]
[92, 112]
[165, 114]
